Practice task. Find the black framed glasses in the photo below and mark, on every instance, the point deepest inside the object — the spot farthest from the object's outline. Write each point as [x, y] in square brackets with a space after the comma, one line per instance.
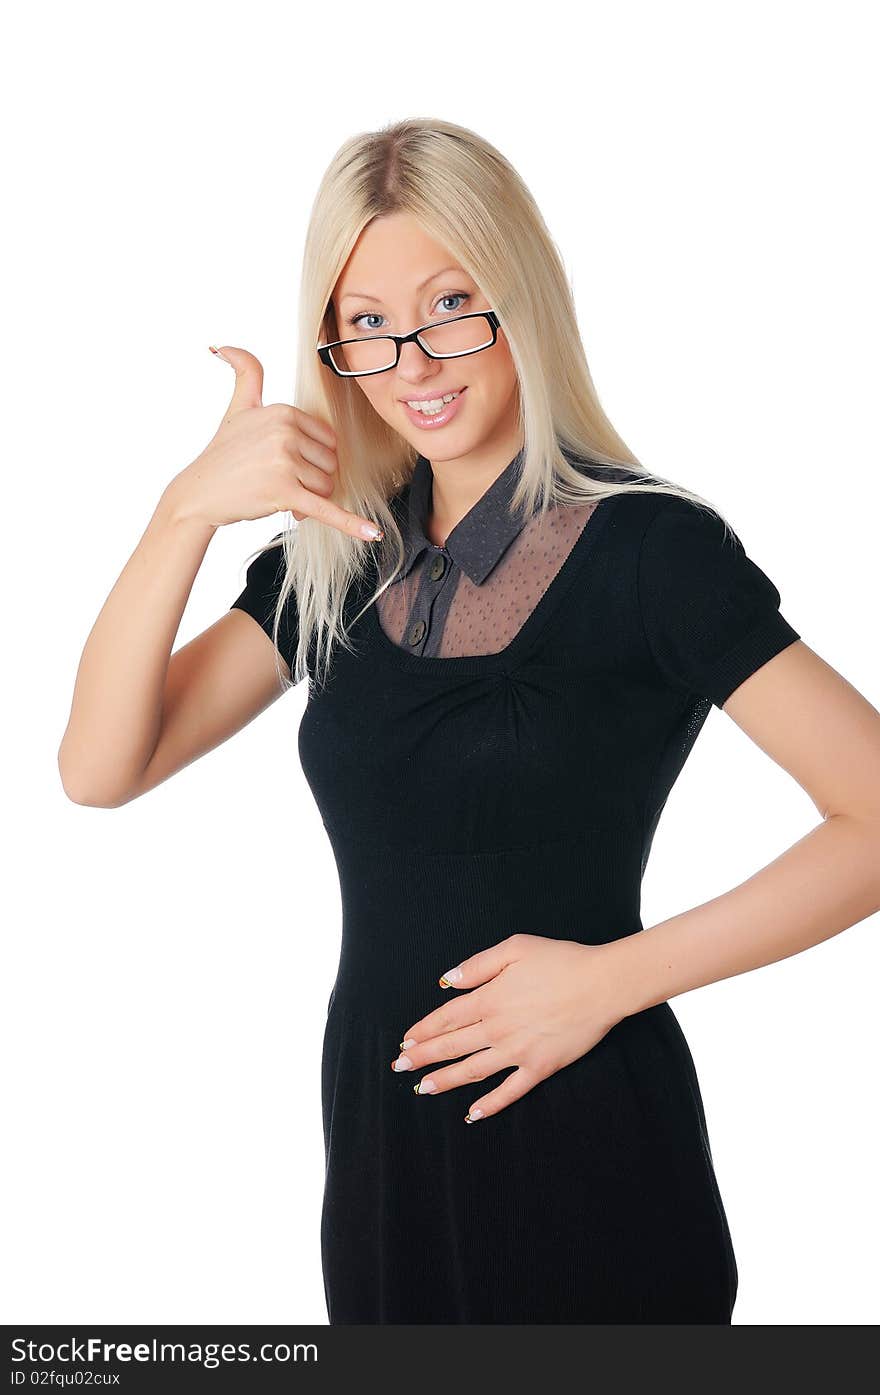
[377, 353]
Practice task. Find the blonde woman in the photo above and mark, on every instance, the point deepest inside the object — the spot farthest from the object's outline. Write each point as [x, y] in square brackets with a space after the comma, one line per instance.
[503, 687]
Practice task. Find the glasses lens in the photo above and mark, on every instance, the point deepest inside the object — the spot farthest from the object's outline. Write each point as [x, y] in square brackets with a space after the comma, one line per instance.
[458, 336]
[364, 355]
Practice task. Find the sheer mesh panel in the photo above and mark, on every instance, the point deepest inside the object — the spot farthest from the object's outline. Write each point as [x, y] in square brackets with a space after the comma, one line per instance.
[484, 619]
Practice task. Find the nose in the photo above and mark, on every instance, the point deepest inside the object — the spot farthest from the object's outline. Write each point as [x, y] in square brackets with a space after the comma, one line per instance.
[415, 366]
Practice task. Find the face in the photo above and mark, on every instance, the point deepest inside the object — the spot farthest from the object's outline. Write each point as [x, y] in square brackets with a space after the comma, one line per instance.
[396, 279]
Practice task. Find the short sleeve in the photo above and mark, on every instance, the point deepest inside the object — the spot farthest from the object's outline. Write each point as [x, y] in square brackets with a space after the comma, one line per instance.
[260, 598]
[710, 614]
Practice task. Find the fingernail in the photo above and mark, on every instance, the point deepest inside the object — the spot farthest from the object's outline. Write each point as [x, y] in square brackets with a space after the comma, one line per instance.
[215, 350]
[410, 1041]
[369, 530]
[449, 978]
[473, 1115]
[402, 1063]
[425, 1087]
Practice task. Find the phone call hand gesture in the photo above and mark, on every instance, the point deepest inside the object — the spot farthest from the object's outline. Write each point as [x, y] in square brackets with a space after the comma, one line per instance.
[264, 460]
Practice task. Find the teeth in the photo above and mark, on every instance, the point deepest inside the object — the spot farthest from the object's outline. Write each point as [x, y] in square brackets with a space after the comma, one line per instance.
[435, 405]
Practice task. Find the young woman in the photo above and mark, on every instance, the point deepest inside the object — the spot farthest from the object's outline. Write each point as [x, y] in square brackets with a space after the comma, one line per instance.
[502, 689]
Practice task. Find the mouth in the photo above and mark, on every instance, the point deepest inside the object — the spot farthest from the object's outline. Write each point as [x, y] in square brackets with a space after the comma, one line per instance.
[432, 404]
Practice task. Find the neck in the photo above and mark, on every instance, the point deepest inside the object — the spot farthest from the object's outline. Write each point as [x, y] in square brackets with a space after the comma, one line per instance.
[458, 484]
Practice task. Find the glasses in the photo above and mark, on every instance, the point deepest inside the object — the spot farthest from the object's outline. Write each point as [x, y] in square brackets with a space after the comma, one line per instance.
[377, 353]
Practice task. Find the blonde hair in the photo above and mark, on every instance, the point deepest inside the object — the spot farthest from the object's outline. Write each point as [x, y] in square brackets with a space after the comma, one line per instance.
[469, 198]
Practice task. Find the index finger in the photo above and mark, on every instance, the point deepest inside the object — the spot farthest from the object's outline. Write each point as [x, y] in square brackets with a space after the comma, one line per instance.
[325, 511]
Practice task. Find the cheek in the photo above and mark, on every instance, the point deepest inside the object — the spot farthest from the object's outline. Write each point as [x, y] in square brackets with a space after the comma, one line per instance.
[500, 376]
[380, 398]
[499, 362]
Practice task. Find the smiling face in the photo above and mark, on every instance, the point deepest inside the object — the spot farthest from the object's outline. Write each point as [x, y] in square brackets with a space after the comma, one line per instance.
[396, 279]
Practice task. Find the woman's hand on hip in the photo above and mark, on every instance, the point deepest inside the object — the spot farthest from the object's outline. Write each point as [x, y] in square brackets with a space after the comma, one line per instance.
[535, 1004]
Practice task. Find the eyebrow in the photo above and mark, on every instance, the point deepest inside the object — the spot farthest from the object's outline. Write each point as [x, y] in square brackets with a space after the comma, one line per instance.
[360, 295]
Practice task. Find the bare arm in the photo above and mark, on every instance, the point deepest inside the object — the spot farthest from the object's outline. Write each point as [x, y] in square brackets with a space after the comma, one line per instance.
[826, 734]
[139, 714]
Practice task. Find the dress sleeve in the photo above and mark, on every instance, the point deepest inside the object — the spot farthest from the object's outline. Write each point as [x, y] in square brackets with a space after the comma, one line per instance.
[710, 614]
[260, 597]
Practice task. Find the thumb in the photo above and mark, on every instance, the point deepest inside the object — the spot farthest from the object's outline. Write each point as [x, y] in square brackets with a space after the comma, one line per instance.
[248, 391]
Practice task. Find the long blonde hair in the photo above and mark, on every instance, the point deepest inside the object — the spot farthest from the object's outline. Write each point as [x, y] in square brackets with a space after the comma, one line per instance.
[468, 197]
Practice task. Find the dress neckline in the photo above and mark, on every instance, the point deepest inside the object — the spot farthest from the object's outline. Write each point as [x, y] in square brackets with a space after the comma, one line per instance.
[432, 665]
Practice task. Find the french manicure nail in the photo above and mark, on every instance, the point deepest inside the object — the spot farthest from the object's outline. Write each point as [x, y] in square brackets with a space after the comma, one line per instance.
[408, 1041]
[473, 1115]
[449, 978]
[402, 1063]
[369, 530]
[425, 1087]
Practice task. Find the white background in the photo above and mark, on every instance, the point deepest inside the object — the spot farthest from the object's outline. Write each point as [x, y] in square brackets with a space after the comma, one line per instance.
[708, 174]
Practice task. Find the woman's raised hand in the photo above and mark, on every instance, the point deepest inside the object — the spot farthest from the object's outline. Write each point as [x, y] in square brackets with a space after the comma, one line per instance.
[265, 460]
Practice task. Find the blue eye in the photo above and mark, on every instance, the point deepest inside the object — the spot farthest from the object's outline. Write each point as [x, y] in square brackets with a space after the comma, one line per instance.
[354, 321]
[456, 295]
[367, 315]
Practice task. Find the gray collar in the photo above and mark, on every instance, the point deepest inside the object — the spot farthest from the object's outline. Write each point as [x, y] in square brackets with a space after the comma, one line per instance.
[478, 541]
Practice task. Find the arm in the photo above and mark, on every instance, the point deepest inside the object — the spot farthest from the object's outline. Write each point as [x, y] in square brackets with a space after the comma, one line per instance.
[139, 713]
[815, 725]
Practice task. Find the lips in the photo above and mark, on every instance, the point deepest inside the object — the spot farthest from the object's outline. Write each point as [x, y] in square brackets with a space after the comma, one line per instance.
[435, 420]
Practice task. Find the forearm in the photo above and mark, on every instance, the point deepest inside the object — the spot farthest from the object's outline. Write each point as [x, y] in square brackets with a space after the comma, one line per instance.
[116, 710]
[823, 884]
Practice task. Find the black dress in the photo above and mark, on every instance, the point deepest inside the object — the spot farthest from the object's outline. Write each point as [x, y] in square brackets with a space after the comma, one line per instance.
[509, 786]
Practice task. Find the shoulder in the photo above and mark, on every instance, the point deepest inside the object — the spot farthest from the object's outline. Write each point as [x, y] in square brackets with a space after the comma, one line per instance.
[670, 521]
[686, 547]
[262, 590]
[266, 572]
[640, 512]
[709, 612]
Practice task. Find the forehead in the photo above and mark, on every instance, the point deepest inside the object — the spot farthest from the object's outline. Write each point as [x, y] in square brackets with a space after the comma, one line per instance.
[393, 252]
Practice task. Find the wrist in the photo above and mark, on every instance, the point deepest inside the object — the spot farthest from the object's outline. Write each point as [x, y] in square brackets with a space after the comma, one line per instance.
[178, 506]
[624, 987]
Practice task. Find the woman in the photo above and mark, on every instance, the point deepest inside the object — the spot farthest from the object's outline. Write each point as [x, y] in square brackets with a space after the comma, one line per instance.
[503, 687]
